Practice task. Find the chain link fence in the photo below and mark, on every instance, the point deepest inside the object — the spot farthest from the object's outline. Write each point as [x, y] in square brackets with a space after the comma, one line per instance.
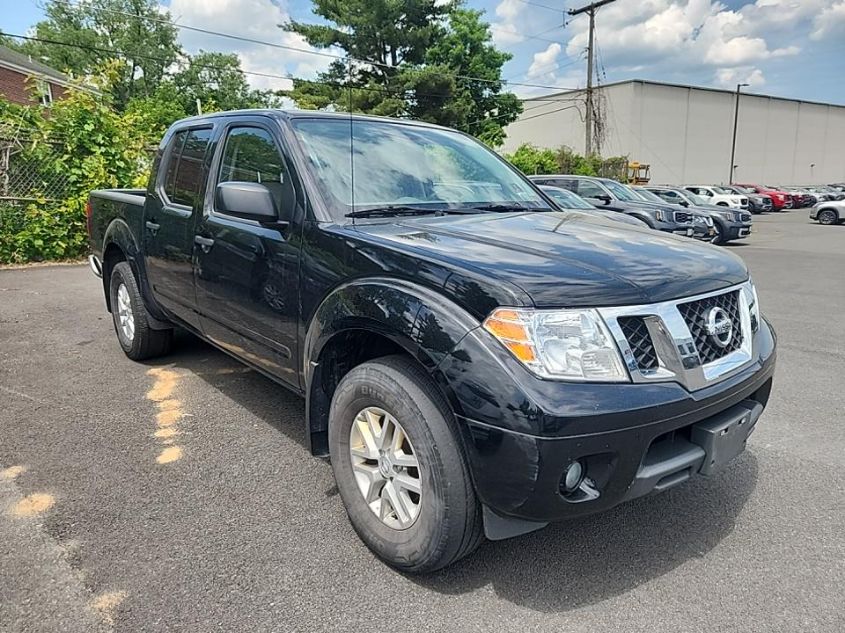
[25, 177]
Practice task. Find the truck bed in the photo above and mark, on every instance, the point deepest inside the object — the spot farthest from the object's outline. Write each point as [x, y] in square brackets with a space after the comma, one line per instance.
[107, 205]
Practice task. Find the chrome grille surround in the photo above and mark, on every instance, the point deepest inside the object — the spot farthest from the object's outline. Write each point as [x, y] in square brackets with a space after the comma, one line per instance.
[678, 359]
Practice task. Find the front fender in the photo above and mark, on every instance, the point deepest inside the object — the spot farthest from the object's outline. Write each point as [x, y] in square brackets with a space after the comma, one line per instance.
[417, 319]
[424, 322]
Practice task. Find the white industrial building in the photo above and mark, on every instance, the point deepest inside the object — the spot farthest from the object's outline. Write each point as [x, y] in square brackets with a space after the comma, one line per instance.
[685, 132]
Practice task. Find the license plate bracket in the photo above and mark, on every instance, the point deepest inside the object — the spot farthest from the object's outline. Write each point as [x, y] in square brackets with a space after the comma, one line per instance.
[724, 437]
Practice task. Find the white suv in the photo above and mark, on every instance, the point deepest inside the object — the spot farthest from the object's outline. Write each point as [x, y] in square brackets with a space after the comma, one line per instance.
[719, 196]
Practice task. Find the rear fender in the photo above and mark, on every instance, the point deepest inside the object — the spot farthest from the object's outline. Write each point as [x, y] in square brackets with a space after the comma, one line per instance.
[120, 235]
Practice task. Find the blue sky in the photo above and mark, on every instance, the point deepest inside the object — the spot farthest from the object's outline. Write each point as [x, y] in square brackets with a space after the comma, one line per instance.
[791, 48]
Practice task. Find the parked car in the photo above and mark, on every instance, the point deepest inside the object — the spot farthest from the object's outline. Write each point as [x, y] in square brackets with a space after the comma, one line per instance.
[704, 228]
[839, 186]
[718, 196]
[780, 199]
[757, 202]
[568, 200]
[800, 198]
[613, 196]
[825, 194]
[729, 224]
[472, 364]
[830, 212]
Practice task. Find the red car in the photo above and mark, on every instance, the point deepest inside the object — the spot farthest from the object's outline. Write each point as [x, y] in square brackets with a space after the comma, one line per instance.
[780, 199]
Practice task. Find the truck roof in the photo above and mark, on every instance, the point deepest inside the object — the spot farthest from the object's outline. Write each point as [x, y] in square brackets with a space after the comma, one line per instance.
[302, 114]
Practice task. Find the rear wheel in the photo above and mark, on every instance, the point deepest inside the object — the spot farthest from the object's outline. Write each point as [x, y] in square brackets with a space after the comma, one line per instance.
[827, 217]
[137, 339]
[399, 467]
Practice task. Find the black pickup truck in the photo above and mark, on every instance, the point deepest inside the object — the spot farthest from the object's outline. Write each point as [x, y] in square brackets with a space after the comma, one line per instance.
[474, 361]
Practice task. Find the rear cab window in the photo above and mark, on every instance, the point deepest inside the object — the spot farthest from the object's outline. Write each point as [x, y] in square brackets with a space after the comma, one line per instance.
[186, 155]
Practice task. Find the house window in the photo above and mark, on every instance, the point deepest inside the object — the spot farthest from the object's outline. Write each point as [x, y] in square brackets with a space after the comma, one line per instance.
[44, 92]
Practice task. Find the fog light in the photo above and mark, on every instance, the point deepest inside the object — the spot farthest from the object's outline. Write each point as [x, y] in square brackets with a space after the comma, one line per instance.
[573, 476]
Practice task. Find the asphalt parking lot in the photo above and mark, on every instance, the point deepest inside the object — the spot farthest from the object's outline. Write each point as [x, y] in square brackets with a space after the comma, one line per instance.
[178, 495]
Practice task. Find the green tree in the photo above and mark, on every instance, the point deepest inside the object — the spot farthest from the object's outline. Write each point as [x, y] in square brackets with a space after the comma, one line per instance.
[466, 49]
[216, 79]
[412, 59]
[138, 29]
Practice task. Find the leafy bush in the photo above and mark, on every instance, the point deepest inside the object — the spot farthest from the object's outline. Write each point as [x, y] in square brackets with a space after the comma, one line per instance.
[533, 160]
[92, 147]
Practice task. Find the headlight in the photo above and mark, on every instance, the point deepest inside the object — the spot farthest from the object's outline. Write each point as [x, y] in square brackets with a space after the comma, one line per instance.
[659, 215]
[753, 304]
[561, 344]
[727, 215]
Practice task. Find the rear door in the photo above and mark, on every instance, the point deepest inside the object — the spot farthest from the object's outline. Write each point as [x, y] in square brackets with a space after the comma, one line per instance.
[170, 214]
[248, 272]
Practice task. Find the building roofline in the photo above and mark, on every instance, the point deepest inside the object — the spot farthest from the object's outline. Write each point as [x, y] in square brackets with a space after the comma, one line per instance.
[667, 84]
[22, 64]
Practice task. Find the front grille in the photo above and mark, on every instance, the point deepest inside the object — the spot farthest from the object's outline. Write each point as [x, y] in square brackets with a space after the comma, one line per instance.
[745, 217]
[638, 337]
[743, 202]
[695, 314]
[682, 217]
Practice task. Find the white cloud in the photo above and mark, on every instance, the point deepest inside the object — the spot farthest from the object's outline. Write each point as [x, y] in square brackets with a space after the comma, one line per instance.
[687, 36]
[505, 30]
[730, 77]
[253, 19]
[545, 62]
[831, 21]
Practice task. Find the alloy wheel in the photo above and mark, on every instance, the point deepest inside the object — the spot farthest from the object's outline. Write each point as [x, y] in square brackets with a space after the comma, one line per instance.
[124, 312]
[386, 467]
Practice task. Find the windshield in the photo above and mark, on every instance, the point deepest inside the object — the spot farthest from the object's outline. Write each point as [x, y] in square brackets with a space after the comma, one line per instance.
[376, 164]
[648, 196]
[693, 198]
[722, 190]
[622, 192]
[567, 199]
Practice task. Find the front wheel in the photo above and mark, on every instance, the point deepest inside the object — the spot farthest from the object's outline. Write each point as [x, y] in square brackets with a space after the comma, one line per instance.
[400, 468]
[827, 217]
[719, 237]
[137, 339]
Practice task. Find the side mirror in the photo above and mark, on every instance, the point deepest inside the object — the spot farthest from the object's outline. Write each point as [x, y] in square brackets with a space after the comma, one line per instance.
[249, 200]
[604, 198]
[684, 203]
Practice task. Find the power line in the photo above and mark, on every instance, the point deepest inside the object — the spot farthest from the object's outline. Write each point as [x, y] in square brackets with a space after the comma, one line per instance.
[541, 6]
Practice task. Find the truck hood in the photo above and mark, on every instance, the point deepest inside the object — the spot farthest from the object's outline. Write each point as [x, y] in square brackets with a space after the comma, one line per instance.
[566, 260]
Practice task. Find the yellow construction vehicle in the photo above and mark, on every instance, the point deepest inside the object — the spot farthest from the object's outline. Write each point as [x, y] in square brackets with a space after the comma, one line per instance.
[638, 173]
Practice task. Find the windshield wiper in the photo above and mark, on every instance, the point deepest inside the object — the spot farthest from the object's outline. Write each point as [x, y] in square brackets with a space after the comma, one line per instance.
[508, 207]
[397, 210]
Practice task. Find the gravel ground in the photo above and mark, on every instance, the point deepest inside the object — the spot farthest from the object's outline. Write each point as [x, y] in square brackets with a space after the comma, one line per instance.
[117, 515]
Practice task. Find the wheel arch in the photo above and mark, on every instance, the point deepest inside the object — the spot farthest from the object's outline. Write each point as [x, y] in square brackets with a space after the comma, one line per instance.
[367, 319]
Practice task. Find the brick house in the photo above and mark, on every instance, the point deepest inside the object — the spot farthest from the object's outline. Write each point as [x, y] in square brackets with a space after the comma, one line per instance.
[16, 74]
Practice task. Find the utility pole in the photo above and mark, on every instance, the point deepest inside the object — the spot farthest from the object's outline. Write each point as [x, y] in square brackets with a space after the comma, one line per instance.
[733, 144]
[590, 9]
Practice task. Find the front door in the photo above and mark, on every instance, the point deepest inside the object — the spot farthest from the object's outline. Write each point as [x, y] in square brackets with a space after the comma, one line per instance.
[170, 215]
[248, 273]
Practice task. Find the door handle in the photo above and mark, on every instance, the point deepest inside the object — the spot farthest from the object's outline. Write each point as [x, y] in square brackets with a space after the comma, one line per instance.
[152, 227]
[205, 242]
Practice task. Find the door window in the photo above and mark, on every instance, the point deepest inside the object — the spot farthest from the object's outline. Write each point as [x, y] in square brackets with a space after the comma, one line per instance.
[185, 166]
[587, 189]
[250, 155]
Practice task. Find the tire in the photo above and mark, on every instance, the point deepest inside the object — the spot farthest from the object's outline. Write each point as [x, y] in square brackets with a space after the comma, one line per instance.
[827, 217]
[143, 342]
[719, 237]
[448, 524]
[722, 204]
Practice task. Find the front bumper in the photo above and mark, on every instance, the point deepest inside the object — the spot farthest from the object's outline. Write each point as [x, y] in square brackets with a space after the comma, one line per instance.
[737, 230]
[521, 432]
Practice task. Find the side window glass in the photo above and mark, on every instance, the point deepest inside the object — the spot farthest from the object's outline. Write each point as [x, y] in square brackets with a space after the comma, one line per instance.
[186, 186]
[250, 155]
[589, 189]
[174, 149]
